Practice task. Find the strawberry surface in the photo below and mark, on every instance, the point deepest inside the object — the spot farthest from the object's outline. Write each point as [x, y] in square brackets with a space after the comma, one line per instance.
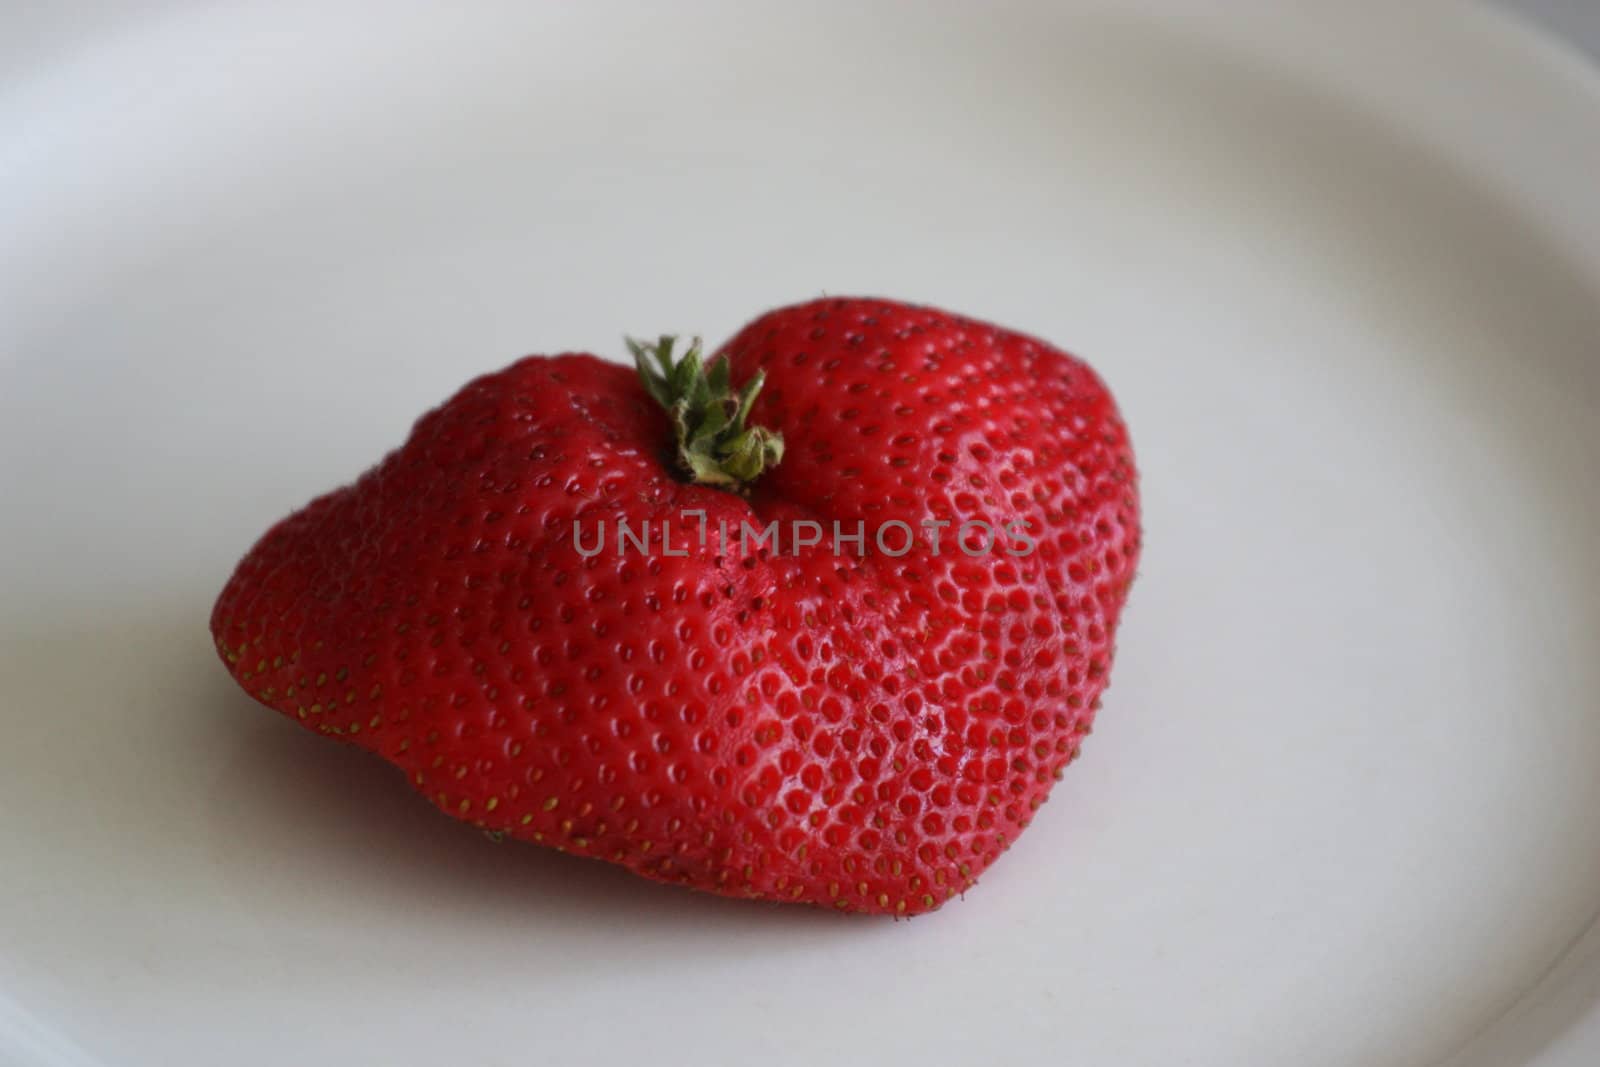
[862, 725]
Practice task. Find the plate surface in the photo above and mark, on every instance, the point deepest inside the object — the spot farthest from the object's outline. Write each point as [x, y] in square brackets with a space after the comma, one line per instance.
[1341, 266]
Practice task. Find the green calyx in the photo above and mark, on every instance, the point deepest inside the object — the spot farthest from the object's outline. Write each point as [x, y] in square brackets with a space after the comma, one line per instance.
[714, 445]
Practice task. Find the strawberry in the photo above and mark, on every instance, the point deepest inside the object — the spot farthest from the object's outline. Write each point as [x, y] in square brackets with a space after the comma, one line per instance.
[819, 619]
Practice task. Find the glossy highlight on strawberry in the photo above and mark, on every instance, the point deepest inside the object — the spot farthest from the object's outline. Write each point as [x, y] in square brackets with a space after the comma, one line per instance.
[852, 729]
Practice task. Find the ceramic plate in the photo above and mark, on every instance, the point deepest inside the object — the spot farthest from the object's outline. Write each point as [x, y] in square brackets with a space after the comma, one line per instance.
[1340, 263]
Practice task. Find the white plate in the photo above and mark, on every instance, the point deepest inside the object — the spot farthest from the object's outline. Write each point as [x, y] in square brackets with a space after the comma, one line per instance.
[1341, 265]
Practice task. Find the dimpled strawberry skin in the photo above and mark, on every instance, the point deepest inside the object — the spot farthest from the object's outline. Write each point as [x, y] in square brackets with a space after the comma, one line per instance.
[862, 732]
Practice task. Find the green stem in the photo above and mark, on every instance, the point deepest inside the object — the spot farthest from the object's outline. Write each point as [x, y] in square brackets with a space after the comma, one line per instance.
[714, 445]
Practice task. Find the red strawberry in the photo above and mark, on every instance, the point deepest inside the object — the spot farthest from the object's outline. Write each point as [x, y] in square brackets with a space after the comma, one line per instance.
[865, 731]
